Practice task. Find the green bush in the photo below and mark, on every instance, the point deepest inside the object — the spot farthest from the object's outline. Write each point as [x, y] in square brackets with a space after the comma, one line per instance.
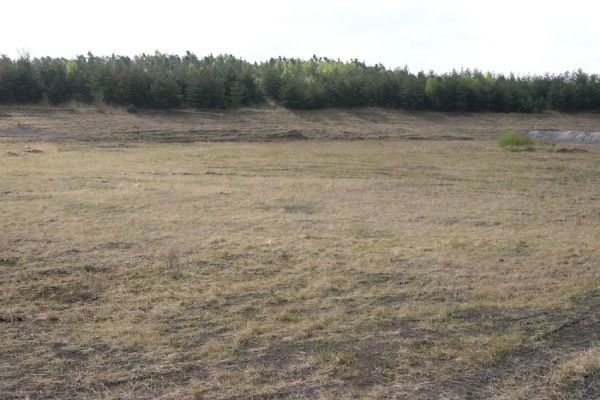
[515, 141]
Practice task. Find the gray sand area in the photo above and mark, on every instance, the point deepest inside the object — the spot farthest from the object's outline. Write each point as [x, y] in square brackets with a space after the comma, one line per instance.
[552, 135]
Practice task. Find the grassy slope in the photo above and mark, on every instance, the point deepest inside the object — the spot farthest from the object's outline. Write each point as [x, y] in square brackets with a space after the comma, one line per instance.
[269, 123]
[326, 268]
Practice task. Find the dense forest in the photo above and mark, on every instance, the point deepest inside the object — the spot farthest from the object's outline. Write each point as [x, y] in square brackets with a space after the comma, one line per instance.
[171, 81]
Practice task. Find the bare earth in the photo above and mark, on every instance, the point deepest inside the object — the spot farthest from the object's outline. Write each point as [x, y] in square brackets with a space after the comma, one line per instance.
[273, 267]
[557, 136]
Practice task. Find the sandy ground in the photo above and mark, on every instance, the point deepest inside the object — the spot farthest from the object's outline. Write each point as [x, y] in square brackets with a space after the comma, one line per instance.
[557, 136]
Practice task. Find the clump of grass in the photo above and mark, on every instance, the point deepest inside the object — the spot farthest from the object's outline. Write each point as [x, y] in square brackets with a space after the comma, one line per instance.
[100, 103]
[9, 261]
[44, 101]
[584, 365]
[170, 257]
[515, 141]
[250, 332]
[336, 357]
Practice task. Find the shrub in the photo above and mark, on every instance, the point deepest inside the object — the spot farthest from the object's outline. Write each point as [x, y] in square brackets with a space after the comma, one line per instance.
[514, 141]
[131, 109]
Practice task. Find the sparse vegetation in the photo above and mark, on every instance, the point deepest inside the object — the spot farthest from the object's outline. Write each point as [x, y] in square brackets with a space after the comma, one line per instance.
[579, 375]
[134, 268]
[515, 141]
[170, 257]
[585, 364]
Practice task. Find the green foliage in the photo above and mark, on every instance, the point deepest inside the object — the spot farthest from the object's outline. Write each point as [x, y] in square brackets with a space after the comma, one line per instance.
[52, 77]
[170, 81]
[134, 89]
[515, 141]
[165, 92]
[18, 83]
[206, 89]
[220, 82]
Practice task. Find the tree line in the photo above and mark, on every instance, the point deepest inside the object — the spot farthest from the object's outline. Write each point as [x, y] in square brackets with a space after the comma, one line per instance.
[166, 81]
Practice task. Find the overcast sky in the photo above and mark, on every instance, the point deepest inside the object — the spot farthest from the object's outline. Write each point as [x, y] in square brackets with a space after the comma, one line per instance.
[501, 36]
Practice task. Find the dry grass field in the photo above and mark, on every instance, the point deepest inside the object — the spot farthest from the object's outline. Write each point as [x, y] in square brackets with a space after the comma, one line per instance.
[379, 269]
[81, 124]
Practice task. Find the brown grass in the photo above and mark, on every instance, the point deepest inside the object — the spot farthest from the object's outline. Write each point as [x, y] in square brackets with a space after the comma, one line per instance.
[580, 373]
[268, 123]
[170, 257]
[305, 269]
[583, 364]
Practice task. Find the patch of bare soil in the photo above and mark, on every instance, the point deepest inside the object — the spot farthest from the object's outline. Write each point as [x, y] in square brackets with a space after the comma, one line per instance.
[530, 366]
[25, 132]
[44, 147]
[558, 136]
